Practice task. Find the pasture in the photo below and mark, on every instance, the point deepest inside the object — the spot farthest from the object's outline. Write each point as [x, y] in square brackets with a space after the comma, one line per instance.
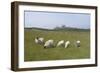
[36, 52]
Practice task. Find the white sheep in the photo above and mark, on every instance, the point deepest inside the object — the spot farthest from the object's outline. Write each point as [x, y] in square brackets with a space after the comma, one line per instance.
[78, 43]
[60, 43]
[67, 44]
[39, 40]
[49, 44]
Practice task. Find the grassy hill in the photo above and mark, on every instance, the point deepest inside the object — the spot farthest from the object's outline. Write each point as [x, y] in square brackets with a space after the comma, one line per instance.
[36, 52]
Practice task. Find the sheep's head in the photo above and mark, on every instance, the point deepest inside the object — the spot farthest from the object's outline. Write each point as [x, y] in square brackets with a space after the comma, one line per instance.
[44, 46]
[37, 37]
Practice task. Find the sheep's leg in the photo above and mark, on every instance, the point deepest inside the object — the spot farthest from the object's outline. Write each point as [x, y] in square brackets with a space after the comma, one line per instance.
[78, 45]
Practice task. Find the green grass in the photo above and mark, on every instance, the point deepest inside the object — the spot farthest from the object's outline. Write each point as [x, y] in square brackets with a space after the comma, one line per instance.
[36, 52]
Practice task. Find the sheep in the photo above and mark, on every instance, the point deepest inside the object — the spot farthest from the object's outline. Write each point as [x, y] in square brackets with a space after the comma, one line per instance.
[39, 40]
[60, 43]
[49, 44]
[77, 43]
[67, 44]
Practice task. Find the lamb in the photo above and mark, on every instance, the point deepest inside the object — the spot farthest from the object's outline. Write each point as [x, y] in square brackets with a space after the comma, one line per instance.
[67, 44]
[78, 43]
[39, 40]
[60, 43]
[49, 44]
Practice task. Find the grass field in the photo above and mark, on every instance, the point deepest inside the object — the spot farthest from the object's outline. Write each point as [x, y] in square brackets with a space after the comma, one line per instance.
[36, 52]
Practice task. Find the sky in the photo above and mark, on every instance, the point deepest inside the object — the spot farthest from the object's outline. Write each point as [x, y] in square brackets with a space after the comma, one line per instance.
[50, 20]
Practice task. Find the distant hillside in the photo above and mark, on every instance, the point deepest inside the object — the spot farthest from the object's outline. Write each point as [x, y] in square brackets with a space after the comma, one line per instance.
[40, 29]
[72, 29]
[61, 29]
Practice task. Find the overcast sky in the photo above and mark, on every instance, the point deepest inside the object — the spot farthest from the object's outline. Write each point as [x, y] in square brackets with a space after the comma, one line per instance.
[50, 20]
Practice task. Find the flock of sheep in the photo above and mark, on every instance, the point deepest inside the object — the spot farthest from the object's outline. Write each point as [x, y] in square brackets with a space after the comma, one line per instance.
[50, 43]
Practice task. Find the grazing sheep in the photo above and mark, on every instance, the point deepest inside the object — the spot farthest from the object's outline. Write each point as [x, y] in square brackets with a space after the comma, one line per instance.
[36, 40]
[39, 40]
[67, 44]
[49, 44]
[60, 43]
[78, 43]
